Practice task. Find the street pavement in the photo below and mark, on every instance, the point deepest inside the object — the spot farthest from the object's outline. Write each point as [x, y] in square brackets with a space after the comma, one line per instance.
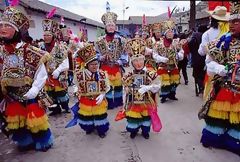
[178, 140]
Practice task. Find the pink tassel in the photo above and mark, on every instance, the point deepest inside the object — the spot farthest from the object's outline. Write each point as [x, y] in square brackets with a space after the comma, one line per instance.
[76, 39]
[51, 13]
[13, 2]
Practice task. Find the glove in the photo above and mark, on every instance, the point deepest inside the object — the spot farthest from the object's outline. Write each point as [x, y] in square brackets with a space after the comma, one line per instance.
[100, 98]
[119, 62]
[165, 60]
[155, 88]
[75, 89]
[31, 94]
[56, 73]
[144, 89]
[221, 70]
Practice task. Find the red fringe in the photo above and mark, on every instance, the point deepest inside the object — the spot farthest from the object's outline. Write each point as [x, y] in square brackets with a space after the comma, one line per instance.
[165, 71]
[88, 102]
[52, 82]
[175, 71]
[206, 78]
[111, 70]
[17, 109]
[162, 71]
[227, 95]
[139, 108]
[34, 110]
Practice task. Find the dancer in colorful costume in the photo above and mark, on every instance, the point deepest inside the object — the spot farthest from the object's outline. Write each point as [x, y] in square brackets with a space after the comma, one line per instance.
[218, 26]
[222, 109]
[167, 53]
[57, 66]
[92, 86]
[141, 87]
[23, 75]
[112, 57]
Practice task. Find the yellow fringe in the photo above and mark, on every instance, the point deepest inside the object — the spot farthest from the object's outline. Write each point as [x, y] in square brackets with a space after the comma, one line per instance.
[225, 106]
[38, 128]
[35, 122]
[234, 117]
[218, 114]
[175, 79]
[207, 88]
[115, 80]
[56, 88]
[15, 122]
[165, 79]
[134, 114]
[93, 110]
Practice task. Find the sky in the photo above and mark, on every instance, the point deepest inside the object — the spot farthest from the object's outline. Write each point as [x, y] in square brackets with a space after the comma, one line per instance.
[94, 9]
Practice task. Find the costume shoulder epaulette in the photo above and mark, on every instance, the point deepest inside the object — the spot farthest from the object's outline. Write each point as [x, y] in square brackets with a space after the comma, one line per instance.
[127, 79]
[152, 74]
[215, 53]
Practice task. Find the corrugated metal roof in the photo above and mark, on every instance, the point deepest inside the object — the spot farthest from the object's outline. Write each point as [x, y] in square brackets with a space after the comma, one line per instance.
[44, 7]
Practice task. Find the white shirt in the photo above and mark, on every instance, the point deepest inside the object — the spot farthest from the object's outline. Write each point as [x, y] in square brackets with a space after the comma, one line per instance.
[210, 35]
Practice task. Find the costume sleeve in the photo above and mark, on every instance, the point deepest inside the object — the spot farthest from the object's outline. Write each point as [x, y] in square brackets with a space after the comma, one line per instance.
[158, 58]
[202, 50]
[213, 67]
[64, 65]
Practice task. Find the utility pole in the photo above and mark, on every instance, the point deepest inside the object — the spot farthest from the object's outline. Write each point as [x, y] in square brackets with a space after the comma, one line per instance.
[192, 14]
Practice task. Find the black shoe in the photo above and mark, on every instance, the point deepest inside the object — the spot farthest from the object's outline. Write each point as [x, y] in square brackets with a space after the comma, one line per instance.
[102, 135]
[66, 111]
[145, 135]
[26, 148]
[173, 98]
[133, 135]
[88, 132]
[186, 82]
[55, 112]
[163, 100]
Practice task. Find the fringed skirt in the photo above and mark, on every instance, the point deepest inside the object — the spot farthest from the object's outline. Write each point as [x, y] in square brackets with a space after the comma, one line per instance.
[93, 116]
[223, 122]
[29, 124]
[114, 96]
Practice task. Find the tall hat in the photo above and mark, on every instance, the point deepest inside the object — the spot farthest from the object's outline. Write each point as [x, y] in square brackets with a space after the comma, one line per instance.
[234, 10]
[220, 13]
[16, 19]
[136, 48]
[87, 54]
[168, 25]
[157, 27]
[49, 25]
[109, 17]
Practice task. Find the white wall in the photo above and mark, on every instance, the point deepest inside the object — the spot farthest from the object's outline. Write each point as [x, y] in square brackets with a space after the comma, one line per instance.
[37, 32]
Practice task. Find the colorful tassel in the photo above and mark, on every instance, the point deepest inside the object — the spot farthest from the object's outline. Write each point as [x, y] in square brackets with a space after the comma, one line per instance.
[51, 13]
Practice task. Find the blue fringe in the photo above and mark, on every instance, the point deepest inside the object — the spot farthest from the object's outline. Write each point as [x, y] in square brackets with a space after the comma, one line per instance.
[100, 122]
[146, 123]
[232, 144]
[117, 102]
[145, 130]
[47, 144]
[215, 130]
[132, 125]
[23, 137]
[82, 122]
[116, 94]
[234, 133]
[212, 140]
[102, 129]
[42, 137]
